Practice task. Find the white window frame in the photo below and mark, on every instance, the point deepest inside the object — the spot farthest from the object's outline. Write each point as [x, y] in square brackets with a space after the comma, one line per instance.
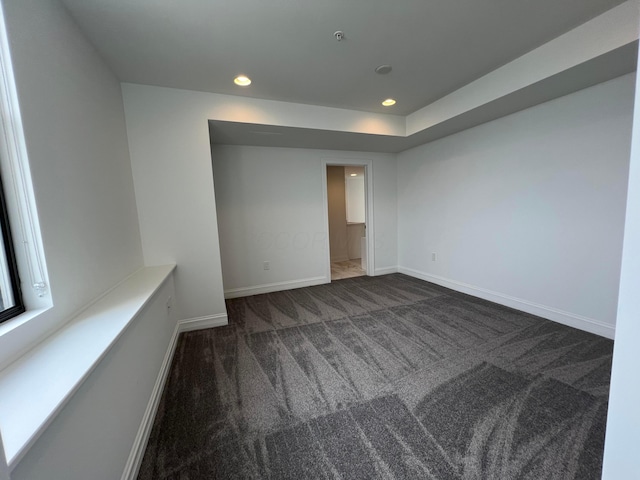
[20, 197]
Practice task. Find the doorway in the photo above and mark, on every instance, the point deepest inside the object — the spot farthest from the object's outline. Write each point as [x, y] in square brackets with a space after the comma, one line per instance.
[347, 220]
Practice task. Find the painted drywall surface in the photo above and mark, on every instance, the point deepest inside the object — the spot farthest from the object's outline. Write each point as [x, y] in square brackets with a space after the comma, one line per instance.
[385, 215]
[73, 118]
[270, 208]
[336, 197]
[529, 206]
[623, 422]
[93, 435]
[4, 468]
[355, 232]
[611, 30]
[173, 177]
[385, 202]
[171, 162]
[233, 108]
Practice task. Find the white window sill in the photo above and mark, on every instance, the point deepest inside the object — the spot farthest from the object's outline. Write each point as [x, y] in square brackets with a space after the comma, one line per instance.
[34, 388]
[21, 319]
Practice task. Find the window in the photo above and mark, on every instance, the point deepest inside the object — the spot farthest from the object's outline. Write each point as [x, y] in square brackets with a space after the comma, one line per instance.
[11, 303]
[24, 296]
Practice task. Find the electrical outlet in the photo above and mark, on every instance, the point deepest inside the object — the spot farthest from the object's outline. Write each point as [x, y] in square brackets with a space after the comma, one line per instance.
[433, 257]
[266, 265]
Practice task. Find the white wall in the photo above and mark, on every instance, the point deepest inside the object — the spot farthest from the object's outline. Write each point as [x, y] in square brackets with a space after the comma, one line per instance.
[385, 216]
[270, 207]
[173, 177]
[171, 161]
[4, 468]
[613, 29]
[527, 210]
[621, 458]
[73, 119]
[92, 437]
[355, 232]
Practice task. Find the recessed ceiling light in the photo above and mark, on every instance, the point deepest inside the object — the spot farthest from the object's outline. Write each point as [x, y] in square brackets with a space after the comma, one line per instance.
[242, 80]
[383, 69]
[354, 174]
[388, 102]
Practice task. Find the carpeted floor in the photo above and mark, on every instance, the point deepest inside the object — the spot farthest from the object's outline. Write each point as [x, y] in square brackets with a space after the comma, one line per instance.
[384, 377]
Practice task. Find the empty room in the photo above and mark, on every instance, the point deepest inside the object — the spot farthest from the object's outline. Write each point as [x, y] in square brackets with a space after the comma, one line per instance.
[366, 239]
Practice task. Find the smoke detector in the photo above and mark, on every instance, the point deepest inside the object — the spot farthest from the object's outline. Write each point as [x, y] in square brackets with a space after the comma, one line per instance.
[383, 69]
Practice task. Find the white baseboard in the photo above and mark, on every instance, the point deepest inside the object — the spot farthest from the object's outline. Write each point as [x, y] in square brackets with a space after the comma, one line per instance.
[386, 271]
[200, 323]
[142, 437]
[340, 259]
[566, 318]
[274, 287]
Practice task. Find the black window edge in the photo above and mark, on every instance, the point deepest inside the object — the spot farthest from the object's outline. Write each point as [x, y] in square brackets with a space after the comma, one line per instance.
[12, 264]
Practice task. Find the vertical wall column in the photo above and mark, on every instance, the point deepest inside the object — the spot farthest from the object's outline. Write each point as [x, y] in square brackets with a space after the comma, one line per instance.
[621, 458]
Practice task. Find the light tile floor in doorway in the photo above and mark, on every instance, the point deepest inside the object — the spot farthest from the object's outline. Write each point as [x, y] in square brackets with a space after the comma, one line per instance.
[347, 269]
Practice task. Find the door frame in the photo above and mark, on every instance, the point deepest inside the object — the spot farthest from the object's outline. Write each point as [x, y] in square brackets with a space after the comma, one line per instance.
[368, 199]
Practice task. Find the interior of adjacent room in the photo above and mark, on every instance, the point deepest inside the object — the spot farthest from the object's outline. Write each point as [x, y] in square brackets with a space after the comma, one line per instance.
[346, 203]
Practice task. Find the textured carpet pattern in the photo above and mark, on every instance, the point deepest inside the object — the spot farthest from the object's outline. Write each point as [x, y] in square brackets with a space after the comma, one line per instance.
[386, 377]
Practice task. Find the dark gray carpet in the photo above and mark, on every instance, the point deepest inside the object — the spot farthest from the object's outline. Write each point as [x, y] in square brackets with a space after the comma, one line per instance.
[384, 377]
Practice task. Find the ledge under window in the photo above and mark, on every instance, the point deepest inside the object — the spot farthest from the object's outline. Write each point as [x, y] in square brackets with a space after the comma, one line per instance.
[34, 388]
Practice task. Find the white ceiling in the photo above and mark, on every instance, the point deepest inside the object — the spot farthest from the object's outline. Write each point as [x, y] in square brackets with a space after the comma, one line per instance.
[613, 64]
[288, 49]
